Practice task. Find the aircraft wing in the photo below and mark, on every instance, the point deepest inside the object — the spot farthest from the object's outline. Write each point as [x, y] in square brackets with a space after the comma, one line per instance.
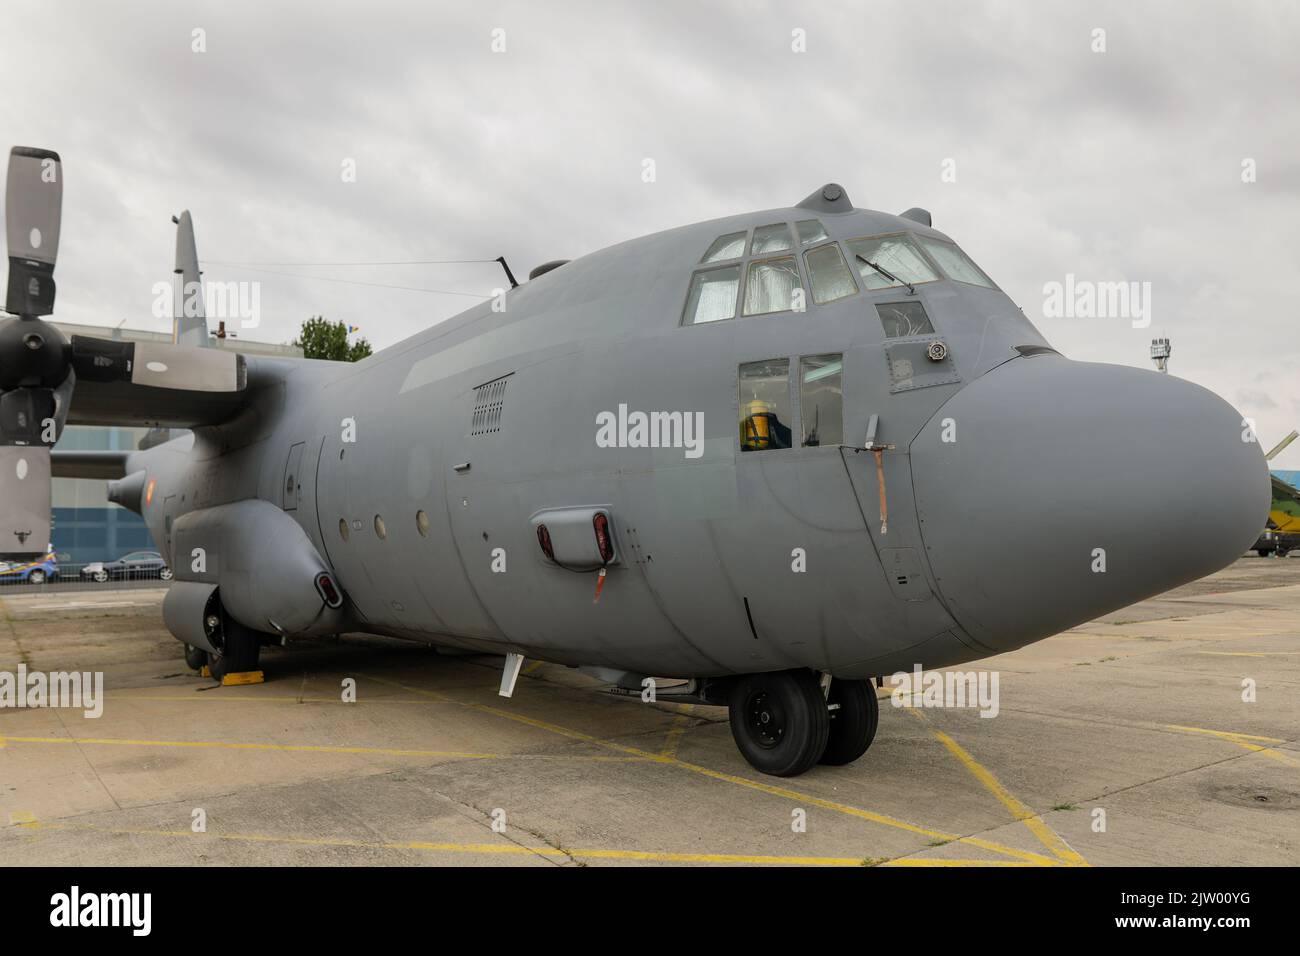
[135, 401]
[88, 464]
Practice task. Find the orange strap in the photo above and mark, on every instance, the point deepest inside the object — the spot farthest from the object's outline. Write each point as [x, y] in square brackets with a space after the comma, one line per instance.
[880, 483]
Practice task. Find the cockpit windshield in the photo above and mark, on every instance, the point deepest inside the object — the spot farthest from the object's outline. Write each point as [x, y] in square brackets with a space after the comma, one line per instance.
[896, 255]
[955, 263]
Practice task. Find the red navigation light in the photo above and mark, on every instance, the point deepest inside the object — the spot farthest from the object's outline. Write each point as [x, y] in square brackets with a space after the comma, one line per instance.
[603, 542]
[328, 591]
[544, 539]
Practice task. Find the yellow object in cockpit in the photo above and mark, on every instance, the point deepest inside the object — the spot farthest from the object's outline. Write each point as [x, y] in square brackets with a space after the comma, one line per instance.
[756, 428]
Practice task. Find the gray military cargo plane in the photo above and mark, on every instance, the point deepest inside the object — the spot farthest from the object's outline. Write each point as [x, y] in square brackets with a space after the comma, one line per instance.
[772, 455]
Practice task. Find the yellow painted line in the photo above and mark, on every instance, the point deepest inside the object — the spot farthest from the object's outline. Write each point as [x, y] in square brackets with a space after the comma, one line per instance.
[21, 817]
[1244, 741]
[306, 748]
[674, 737]
[207, 696]
[1225, 734]
[1249, 653]
[1045, 834]
[231, 745]
[505, 849]
[927, 861]
[801, 798]
[534, 667]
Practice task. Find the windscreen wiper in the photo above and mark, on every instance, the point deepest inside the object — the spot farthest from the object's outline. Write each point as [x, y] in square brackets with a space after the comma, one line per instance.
[911, 289]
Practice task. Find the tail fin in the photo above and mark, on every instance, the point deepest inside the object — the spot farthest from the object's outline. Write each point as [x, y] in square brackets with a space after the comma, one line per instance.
[189, 325]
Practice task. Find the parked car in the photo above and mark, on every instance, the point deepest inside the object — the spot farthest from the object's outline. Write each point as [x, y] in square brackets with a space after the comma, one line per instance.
[129, 567]
[30, 572]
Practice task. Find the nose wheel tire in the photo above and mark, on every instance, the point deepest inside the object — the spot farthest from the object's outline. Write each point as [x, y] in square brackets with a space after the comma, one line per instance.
[240, 648]
[195, 657]
[852, 723]
[779, 721]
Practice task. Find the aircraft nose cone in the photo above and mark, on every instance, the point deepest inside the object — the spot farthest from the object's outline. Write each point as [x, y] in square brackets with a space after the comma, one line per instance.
[1070, 489]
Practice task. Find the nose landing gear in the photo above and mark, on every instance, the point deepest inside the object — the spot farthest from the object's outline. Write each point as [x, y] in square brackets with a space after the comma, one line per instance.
[238, 647]
[784, 723]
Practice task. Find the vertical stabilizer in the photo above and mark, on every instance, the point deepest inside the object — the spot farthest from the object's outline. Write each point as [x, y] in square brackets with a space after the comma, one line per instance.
[189, 325]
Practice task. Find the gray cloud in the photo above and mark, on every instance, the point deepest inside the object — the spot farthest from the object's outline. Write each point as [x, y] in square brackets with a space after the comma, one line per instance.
[1119, 165]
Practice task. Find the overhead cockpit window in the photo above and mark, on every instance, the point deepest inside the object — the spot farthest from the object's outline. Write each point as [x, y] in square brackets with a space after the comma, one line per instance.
[765, 405]
[902, 319]
[770, 285]
[712, 296]
[810, 231]
[821, 399]
[828, 274]
[730, 246]
[955, 263]
[887, 256]
[773, 238]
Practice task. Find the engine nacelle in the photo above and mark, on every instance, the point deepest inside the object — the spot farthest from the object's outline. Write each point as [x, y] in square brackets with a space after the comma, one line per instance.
[269, 575]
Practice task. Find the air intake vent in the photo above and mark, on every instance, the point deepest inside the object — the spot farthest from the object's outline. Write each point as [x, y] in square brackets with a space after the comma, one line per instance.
[489, 400]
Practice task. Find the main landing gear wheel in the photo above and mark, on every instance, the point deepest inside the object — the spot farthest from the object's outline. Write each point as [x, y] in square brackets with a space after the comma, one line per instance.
[240, 648]
[852, 723]
[196, 658]
[779, 721]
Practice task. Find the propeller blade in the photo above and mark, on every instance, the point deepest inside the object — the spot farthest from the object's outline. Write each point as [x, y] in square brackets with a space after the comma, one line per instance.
[33, 210]
[158, 365]
[1281, 446]
[25, 493]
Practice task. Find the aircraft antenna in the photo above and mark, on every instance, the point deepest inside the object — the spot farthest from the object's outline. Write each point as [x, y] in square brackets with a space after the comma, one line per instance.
[1160, 350]
[509, 275]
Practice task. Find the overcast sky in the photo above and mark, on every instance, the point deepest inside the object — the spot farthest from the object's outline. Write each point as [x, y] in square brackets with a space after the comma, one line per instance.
[1118, 165]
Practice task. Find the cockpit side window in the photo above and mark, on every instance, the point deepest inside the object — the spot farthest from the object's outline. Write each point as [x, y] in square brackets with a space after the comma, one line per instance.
[955, 263]
[730, 246]
[821, 399]
[769, 239]
[713, 295]
[810, 231]
[828, 274]
[903, 319]
[883, 256]
[765, 414]
[770, 285]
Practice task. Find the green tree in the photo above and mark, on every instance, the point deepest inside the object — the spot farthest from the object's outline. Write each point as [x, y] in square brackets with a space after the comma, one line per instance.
[322, 339]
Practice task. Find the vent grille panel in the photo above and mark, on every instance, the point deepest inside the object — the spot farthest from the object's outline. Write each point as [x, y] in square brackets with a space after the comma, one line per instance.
[489, 403]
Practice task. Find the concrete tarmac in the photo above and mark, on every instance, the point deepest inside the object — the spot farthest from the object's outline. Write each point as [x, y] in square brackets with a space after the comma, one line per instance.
[1162, 734]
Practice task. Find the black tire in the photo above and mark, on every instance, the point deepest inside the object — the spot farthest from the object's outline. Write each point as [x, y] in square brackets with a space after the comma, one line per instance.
[853, 723]
[239, 651]
[1262, 552]
[779, 721]
[195, 657]
[1283, 552]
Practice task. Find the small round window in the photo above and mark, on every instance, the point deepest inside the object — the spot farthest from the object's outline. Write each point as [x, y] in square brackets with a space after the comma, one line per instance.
[380, 528]
[422, 523]
[343, 528]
